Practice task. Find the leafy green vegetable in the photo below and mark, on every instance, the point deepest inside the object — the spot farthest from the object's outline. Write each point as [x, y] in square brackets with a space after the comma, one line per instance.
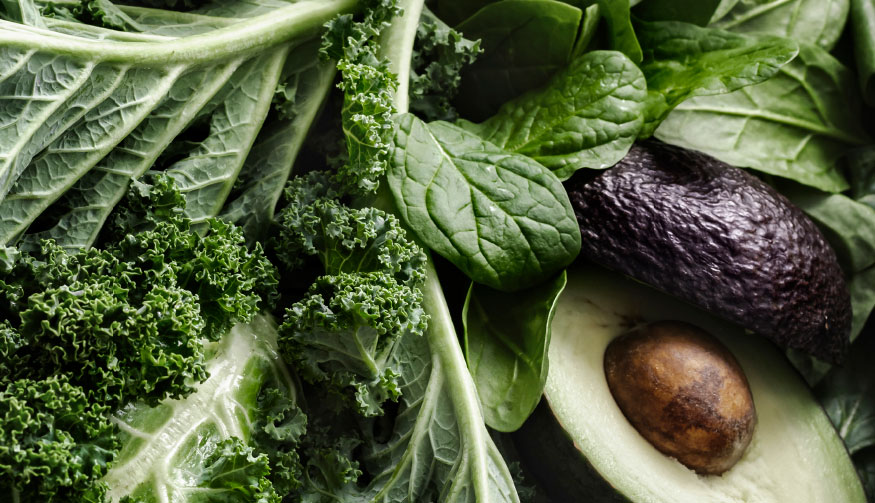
[795, 125]
[682, 60]
[439, 56]
[109, 109]
[695, 12]
[817, 22]
[506, 340]
[586, 117]
[193, 449]
[56, 442]
[619, 20]
[863, 24]
[501, 218]
[525, 42]
[846, 395]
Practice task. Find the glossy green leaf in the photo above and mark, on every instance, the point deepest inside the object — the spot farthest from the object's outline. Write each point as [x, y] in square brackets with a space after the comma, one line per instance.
[500, 217]
[682, 60]
[863, 24]
[849, 226]
[817, 22]
[586, 117]
[795, 125]
[506, 340]
[695, 12]
[524, 43]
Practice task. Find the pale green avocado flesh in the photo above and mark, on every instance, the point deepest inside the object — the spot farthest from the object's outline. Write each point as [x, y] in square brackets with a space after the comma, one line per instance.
[795, 454]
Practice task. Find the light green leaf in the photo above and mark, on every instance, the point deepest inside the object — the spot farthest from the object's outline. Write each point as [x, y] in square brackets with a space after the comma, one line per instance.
[440, 449]
[586, 117]
[818, 22]
[500, 217]
[75, 106]
[682, 60]
[795, 125]
[168, 451]
[506, 340]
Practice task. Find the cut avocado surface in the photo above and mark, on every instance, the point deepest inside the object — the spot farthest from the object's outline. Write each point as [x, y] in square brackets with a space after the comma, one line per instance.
[582, 448]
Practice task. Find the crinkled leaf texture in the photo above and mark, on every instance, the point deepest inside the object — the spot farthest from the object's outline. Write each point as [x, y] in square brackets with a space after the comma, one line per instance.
[795, 125]
[587, 116]
[89, 109]
[221, 442]
[502, 218]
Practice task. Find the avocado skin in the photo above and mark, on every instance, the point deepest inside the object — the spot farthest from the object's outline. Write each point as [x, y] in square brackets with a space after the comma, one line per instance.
[720, 238]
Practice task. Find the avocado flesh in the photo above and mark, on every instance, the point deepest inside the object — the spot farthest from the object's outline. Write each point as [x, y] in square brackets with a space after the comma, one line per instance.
[582, 448]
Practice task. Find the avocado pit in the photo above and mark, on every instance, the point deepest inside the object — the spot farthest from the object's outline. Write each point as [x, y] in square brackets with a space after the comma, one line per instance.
[684, 392]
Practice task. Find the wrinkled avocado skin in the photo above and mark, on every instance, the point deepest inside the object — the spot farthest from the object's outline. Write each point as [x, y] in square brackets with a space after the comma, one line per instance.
[720, 238]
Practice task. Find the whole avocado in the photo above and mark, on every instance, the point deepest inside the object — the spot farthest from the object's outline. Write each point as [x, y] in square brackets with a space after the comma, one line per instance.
[720, 238]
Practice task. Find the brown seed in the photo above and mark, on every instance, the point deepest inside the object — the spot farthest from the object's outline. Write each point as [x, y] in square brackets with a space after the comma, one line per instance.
[684, 392]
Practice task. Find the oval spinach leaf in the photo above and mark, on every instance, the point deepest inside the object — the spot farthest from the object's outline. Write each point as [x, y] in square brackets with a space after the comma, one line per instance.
[500, 217]
[795, 125]
[586, 117]
[506, 340]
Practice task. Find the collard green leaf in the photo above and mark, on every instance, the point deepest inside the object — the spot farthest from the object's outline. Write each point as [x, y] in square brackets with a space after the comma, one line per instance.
[439, 449]
[500, 217]
[795, 125]
[682, 60]
[506, 340]
[184, 448]
[73, 103]
[587, 116]
[524, 43]
[817, 22]
[863, 24]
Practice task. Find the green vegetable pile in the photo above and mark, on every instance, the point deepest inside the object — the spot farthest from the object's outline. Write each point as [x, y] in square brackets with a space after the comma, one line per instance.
[222, 223]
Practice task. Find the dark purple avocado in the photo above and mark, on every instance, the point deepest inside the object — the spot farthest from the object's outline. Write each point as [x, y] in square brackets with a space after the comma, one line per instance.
[720, 238]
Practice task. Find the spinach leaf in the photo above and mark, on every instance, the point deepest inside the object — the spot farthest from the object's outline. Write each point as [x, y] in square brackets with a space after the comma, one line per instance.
[506, 340]
[695, 12]
[795, 125]
[846, 395]
[682, 60]
[524, 41]
[619, 20]
[500, 217]
[863, 24]
[818, 22]
[862, 287]
[586, 117]
[849, 226]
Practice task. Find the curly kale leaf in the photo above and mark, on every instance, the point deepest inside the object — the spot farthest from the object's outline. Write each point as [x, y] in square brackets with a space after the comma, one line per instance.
[343, 334]
[277, 432]
[439, 55]
[55, 442]
[345, 240]
[368, 88]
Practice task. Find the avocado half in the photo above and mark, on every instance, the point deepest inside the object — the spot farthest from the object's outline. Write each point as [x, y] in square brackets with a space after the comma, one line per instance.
[580, 446]
[720, 238]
